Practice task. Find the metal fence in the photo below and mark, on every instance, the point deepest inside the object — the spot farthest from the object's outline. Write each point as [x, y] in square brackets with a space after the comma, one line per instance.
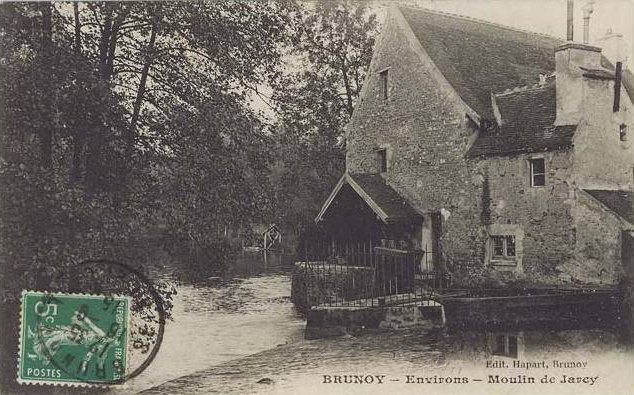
[361, 274]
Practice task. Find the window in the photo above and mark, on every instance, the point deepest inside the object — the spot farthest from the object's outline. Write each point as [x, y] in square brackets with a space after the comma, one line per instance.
[503, 247]
[505, 346]
[623, 132]
[381, 160]
[538, 172]
[384, 84]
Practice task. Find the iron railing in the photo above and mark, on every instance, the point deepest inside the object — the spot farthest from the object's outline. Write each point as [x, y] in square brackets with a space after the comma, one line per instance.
[361, 274]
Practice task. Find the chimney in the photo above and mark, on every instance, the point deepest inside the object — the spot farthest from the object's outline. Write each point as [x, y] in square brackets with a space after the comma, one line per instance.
[570, 60]
[613, 47]
[570, 29]
[587, 10]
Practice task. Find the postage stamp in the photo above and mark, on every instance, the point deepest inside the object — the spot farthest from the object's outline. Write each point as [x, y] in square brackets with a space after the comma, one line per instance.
[73, 339]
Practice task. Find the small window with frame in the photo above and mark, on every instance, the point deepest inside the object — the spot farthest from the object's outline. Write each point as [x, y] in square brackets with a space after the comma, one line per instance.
[538, 172]
[383, 80]
[623, 132]
[381, 160]
[503, 247]
[505, 346]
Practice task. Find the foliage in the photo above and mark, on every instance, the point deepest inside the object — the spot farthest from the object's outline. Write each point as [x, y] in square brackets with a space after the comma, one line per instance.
[127, 127]
[332, 48]
[123, 122]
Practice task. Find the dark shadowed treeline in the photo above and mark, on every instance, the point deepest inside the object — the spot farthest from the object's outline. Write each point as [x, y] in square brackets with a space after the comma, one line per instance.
[129, 117]
[332, 45]
[127, 127]
[123, 126]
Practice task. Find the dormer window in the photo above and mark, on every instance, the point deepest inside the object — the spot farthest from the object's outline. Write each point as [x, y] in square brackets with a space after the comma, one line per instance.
[381, 160]
[538, 172]
[383, 81]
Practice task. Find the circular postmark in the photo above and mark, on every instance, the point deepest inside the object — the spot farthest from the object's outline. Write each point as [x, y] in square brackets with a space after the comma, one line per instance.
[106, 331]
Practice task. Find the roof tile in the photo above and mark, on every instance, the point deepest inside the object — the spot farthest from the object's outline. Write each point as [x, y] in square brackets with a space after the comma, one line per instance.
[479, 57]
[527, 119]
[396, 208]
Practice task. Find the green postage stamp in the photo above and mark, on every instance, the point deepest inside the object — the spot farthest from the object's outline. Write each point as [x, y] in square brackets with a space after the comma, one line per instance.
[73, 339]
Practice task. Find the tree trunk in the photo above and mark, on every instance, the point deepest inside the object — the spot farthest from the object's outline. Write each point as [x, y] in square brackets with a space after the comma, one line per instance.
[46, 128]
[94, 136]
[107, 52]
[78, 141]
[104, 43]
[77, 28]
[142, 83]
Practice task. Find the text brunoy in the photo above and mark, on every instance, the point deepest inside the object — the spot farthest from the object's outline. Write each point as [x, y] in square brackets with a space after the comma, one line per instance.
[381, 379]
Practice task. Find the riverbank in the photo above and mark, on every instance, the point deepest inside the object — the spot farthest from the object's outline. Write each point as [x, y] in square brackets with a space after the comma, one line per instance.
[216, 319]
[277, 369]
[395, 362]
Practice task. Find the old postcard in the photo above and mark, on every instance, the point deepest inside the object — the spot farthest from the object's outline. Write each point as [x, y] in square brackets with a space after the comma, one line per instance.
[317, 197]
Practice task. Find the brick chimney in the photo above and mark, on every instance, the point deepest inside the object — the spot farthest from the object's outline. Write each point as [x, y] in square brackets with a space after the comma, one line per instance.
[587, 10]
[571, 59]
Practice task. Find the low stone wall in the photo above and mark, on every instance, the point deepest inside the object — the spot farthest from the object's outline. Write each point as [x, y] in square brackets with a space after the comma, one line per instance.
[322, 283]
[326, 321]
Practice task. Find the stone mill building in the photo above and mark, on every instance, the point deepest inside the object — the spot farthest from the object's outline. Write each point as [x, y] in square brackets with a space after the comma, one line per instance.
[506, 155]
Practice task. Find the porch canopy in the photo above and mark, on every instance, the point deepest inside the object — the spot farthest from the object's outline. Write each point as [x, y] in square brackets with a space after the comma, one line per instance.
[388, 206]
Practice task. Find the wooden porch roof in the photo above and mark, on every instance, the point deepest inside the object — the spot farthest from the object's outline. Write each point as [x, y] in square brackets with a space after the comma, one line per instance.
[384, 201]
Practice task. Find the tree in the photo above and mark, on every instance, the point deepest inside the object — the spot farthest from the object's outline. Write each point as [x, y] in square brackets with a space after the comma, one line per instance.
[124, 120]
[332, 48]
[111, 97]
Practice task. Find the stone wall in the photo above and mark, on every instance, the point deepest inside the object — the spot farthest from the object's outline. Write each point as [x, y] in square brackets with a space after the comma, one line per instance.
[597, 253]
[543, 213]
[327, 321]
[424, 128]
[602, 160]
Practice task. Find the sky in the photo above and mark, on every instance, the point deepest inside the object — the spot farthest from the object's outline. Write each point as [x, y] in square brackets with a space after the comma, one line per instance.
[541, 16]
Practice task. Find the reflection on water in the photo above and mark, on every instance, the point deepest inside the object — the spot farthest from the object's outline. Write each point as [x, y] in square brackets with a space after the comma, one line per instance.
[506, 344]
[417, 361]
[533, 344]
[475, 362]
[218, 318]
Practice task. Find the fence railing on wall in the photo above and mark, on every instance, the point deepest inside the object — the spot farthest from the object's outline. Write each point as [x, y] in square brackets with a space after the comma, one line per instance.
[361, 274]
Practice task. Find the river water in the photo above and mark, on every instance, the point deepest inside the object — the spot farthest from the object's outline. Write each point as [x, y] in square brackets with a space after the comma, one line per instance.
[217, 319]
[423, 361]
[230, 332]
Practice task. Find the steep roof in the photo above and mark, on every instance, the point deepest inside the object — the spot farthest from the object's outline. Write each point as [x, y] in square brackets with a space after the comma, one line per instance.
[387, 204]
[619, 202]
[526, 124]
[479, 57]
[385, 196]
